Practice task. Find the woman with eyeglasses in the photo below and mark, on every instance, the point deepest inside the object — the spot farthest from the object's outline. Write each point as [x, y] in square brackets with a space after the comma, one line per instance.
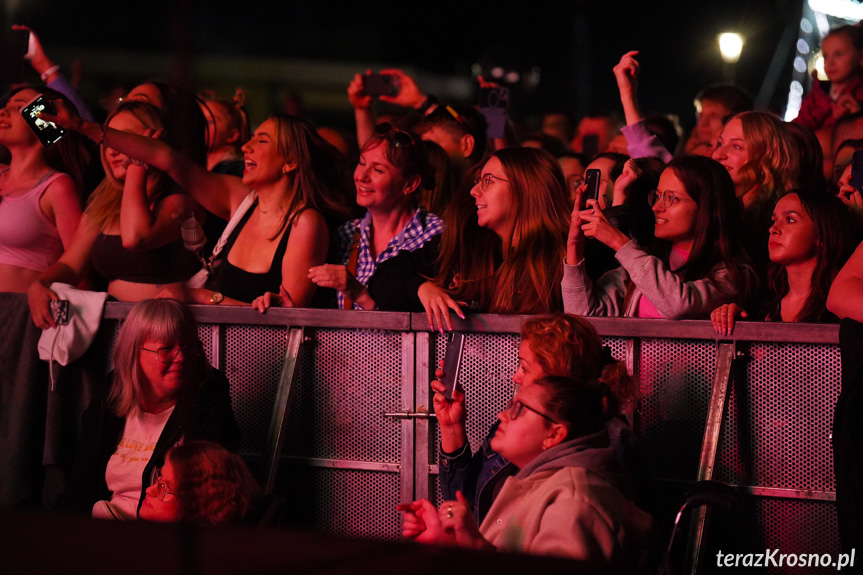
[202, 482]
[696, 264]
[502, 248]
[291, 188]
[570, 497]
[162, 392]
[392, 170]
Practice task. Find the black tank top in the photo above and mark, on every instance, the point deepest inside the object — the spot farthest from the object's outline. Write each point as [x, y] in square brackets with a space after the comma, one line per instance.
[241, 285]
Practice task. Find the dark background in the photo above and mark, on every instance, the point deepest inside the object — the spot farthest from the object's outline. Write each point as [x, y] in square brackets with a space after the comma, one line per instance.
[574, 43]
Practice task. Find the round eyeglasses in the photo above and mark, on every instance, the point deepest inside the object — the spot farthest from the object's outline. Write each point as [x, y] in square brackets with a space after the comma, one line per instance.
[485, 181]
[515, 407]
[666, 198]
[162, 489]
[169, 354]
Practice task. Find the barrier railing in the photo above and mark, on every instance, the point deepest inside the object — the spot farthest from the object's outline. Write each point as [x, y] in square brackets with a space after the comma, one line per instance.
[352, 417]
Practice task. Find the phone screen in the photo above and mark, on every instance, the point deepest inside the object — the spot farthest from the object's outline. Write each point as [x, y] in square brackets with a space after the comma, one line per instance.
[452, 362]
[380, 85]
[47, 132]
[857, 170]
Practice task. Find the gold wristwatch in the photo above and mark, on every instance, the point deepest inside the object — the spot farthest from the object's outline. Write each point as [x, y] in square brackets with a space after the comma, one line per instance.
[216, 298]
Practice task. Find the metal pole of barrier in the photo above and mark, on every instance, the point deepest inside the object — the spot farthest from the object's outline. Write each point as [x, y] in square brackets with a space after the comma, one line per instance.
[725, 354]
[278, 422]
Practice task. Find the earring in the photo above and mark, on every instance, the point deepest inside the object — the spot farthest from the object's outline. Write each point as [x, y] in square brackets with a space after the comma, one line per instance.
[285, 170]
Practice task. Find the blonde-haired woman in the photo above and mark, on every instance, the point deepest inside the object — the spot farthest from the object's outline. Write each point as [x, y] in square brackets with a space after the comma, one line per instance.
[162, 392]
[130, 230]
[758, 151]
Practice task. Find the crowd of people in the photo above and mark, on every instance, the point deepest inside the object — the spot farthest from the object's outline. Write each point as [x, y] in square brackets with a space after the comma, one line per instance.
[749, 217]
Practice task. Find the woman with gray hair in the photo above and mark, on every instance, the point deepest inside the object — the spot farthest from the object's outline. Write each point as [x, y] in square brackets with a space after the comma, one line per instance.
[162, 392]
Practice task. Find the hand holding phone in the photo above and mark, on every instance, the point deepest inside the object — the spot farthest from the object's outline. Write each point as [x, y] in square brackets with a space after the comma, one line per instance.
[452, 362]
[380, 85]
[47, 132]
[592, 179]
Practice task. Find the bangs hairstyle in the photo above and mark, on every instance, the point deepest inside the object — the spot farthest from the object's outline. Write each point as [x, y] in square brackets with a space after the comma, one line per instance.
[212, 485]
[528, 281]
[320, 180]
[69, 154]
[834, 241]
[770, 168]
[103, 209]
[411, 159]
[163, 320]
[718, 222]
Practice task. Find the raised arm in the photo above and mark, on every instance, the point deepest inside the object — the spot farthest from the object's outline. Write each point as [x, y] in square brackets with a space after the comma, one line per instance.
[143, 228]
[362, 104]
[626, 74]
[846, 294]
[219, 194]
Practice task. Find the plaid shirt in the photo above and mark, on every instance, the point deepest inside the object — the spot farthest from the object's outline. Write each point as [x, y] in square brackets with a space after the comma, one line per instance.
[422, 227]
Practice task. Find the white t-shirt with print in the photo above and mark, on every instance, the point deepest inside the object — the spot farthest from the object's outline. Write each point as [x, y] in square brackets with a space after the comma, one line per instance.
[127, 464]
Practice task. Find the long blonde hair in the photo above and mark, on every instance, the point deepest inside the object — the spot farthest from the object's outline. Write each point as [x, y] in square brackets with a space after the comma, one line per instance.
[103, 208]
[770, 168]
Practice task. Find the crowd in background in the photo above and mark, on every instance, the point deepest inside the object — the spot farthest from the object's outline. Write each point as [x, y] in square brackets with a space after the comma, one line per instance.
[181, 196]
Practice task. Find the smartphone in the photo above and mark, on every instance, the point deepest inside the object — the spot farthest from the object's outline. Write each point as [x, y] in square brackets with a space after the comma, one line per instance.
[857, 170]
[452, 362]
[380, 85]
[592, 179]
[59, 311]
[47, 132]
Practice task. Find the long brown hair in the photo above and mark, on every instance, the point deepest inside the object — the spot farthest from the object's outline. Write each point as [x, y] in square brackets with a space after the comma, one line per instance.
[522, 273]
[834, 242]
[321, 180]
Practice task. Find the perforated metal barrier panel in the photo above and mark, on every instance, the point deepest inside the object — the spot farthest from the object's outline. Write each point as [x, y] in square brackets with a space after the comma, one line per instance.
[346, 465]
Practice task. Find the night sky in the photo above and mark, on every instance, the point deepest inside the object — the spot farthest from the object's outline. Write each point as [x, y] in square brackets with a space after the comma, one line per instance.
[575, 44]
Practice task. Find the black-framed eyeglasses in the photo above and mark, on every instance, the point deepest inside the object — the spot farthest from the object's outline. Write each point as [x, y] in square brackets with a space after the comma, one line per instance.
[666, 198]
[169, 354]
[515, 407]
[485, 181]
[162, 489]
[399, 138]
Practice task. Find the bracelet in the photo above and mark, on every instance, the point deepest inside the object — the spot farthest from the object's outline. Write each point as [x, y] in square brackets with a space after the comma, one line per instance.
[49, 71]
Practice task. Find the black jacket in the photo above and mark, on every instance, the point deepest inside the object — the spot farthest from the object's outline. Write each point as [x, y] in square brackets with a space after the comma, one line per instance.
[203, 412]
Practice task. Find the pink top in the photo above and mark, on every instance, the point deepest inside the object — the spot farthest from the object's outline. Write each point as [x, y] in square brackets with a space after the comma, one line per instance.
[28, 239]
[676, 259]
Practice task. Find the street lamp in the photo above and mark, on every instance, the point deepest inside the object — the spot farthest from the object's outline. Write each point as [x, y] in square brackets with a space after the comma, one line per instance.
[730, 47]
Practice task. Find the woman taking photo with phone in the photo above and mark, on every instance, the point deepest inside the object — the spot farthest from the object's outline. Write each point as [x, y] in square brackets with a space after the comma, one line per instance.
[291, 185]
[570, 497]
[696, 264]
[40, 201]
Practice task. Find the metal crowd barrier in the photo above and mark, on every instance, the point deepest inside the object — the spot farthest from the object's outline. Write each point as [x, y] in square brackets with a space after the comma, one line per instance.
[335, 406]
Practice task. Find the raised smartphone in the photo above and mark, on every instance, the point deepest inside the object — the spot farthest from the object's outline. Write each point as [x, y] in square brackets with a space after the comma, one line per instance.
[452, 362]
[592, 179]
[47, 132]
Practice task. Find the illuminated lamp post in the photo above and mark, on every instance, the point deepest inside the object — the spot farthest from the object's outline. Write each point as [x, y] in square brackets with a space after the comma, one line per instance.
[730, 47]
